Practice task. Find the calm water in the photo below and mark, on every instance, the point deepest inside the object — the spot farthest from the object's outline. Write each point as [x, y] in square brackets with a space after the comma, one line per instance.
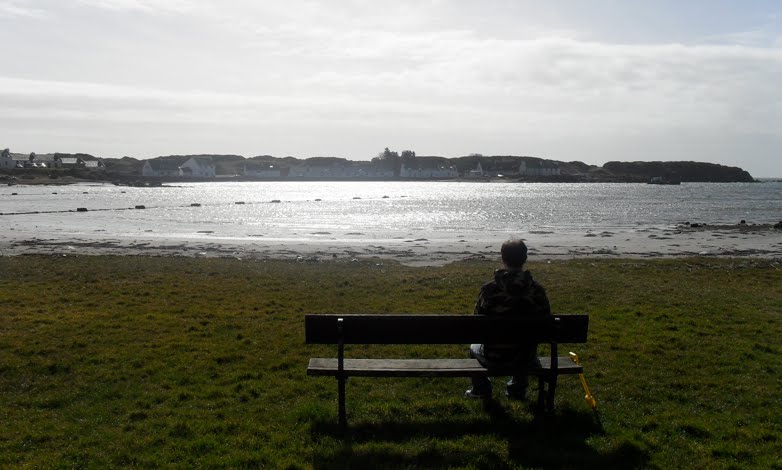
[377, 210]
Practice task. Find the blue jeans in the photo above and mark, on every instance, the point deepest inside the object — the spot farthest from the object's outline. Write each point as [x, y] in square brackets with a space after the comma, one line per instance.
[516, 386]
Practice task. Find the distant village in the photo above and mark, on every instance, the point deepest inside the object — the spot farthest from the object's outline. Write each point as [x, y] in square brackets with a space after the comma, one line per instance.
[420, 168]
[21, 161]
[387, 165]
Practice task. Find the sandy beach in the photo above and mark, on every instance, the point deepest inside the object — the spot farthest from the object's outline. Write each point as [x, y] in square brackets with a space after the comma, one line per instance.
[763, 241]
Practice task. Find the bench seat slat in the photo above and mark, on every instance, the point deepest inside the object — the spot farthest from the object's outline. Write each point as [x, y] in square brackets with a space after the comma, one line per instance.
[425, 367]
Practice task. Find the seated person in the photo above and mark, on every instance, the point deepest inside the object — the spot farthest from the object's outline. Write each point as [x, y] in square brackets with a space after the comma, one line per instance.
[513, 292]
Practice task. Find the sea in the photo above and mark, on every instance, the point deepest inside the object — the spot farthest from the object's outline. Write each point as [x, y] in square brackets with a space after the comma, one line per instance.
[356, 212]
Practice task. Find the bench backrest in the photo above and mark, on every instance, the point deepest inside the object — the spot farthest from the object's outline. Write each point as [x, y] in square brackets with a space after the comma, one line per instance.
[443, 329]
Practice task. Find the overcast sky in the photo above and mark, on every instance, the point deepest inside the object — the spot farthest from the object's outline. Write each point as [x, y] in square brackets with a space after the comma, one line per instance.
[594, 80]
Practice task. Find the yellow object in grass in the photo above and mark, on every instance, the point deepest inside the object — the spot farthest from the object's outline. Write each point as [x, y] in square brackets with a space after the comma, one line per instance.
[588, 397]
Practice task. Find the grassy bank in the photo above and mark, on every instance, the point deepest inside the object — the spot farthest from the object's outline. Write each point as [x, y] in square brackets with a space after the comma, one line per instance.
[110, 361]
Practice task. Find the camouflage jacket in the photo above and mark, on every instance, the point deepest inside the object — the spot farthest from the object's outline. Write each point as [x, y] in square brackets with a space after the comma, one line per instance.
[513, 292]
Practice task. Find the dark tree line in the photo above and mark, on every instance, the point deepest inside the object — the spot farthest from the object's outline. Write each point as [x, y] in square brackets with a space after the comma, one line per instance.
[392, 160]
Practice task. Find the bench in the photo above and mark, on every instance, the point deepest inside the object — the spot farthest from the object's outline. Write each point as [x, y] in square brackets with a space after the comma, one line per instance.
[441, 329]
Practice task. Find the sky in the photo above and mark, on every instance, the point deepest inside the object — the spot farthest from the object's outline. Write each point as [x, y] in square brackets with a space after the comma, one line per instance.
[593, 81]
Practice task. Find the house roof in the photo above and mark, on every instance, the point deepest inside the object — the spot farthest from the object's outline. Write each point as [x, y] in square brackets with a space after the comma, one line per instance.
[42, 157]
[69, 161]
[45, 157]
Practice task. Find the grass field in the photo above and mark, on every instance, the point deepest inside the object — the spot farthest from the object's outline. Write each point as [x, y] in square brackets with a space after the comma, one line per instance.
[182, 362]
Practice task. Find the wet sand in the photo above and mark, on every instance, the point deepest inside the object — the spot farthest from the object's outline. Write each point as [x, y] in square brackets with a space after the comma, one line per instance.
[763, 241]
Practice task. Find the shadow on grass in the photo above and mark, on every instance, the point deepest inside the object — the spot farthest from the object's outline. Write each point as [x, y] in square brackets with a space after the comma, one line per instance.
[557, 441]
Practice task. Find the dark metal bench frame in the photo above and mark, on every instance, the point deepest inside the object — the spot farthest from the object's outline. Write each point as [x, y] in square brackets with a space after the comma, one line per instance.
[441, 329]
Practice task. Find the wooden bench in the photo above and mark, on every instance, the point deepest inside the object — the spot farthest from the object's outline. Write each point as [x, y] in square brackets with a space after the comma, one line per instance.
[441, 329]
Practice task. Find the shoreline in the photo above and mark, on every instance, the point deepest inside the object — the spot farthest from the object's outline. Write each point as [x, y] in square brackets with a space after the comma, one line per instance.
[758, 241]
[144, 181]
[246, 224]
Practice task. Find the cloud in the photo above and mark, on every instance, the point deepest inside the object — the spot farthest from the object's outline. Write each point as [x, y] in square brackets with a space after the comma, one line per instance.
[144, 6]
[611, 84]
[19, 9]
[26, 99]
[554, 85]
[451, 71]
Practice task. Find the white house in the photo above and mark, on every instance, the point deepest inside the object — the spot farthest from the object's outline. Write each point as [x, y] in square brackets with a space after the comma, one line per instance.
[316, 171]
[10, 160]
[45, 160]
[428, 171]
[71, 162]
[198, 167]
[369, 170]
[6, 161]
[94, 164]
[16, 160]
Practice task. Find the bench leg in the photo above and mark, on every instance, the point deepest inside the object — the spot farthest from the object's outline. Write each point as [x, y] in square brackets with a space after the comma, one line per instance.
[546, 394]
[541, 392]
[552, 389]
[343, 419]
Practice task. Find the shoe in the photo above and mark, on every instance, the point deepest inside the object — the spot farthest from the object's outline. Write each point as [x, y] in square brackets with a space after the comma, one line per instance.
[472, 393]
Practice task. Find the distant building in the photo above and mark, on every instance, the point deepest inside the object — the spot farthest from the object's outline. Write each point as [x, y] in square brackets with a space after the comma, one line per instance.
[194, 167]
[10, 160]
[428, 168]
[45, 160]
[340, 170]
[198, 167]
[159, 167]
[20, 160]
[497, 167]
[476, 173]
[94, 164]
[317, 171]
[6, 161]
[309, 171]
[71, 162]
[370, 170]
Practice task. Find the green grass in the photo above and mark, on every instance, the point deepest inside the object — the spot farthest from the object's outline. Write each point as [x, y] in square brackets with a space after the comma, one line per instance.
[179, 362]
